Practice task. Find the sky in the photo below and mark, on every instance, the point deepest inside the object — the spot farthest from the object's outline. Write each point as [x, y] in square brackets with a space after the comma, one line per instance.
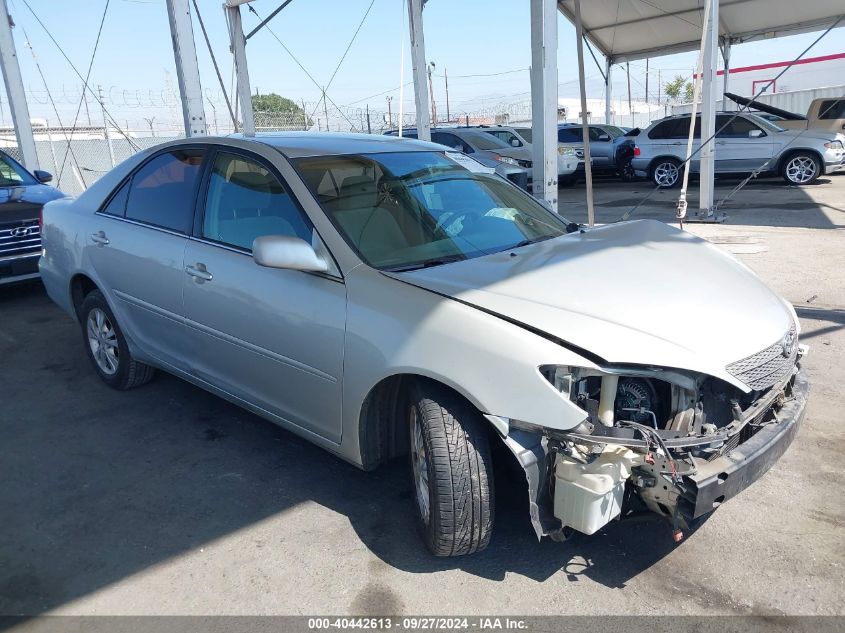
[484, 45]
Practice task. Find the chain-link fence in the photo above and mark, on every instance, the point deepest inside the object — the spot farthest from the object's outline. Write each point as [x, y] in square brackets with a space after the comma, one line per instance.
[76, 164]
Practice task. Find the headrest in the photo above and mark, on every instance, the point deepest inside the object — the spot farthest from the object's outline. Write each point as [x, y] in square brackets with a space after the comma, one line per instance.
[357, 192]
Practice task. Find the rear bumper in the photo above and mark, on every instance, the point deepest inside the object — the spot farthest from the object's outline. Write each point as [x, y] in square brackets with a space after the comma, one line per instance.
[725, 477]
[14, 269]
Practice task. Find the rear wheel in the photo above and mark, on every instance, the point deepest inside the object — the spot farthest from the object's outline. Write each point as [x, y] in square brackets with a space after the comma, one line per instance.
[451, 470]
[106, 346]
[666, 172]
[801, 168]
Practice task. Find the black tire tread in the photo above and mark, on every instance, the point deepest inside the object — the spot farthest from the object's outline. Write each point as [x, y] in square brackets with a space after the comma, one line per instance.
[134, 373]
[462, 484]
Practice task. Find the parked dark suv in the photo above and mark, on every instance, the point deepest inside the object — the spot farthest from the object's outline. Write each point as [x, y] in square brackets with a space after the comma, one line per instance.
[22, 195]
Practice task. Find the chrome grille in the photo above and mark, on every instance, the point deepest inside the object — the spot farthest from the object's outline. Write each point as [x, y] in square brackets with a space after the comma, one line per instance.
[767, 367]
[19, 239]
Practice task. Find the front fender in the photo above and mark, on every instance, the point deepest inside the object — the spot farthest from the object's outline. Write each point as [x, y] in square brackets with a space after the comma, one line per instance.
[396, 328]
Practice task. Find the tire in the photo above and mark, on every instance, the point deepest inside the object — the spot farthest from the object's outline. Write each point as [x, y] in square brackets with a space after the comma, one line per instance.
[106, 346]
[451, 471]
[666, 173]
[626, 171]
[801, 168]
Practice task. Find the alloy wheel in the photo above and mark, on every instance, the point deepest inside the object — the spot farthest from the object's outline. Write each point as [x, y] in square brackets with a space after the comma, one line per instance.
[102, 339]
[666, 174]
[801, 170]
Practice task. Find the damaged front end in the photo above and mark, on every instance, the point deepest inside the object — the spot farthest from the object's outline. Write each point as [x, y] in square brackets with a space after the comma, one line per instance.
[667, 440]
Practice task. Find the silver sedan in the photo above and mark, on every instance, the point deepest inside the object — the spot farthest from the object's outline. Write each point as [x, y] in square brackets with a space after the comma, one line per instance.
[384, 297]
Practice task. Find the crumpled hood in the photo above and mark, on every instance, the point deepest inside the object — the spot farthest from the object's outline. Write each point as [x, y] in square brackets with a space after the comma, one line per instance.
[635, 292]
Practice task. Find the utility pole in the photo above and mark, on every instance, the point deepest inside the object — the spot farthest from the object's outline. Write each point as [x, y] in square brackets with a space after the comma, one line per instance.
[326, 111]
[646, 80]
[659, 89]
[214, 117]
[14, 89]
[85, 98]
[369, 130]
[630, 107]
[106, 124]
[446, 77]
[431, 92]
[389, 112]
[304, 116]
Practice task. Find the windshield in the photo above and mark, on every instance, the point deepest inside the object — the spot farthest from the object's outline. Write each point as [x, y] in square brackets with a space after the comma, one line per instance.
[12, 174]
[524, 132]
[765, 124]
[481, 140]
[404, 210]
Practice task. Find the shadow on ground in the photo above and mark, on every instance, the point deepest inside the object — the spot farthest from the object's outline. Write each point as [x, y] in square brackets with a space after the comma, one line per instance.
[99, 485]
[761, 202]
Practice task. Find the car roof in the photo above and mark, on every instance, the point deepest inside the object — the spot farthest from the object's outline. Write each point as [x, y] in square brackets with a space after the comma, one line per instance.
[302, 144]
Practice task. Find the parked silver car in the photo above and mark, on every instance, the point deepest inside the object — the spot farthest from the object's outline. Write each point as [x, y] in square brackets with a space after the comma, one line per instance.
[513, 163]
[382, 297]
[567, 161]
[748, 143]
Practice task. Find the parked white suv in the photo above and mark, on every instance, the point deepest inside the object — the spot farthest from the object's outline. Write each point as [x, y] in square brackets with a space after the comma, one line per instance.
[748, 142]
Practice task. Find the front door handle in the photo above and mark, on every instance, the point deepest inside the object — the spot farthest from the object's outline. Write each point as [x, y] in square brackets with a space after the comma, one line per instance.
[721, 142]
[99, 238]
[199, 271]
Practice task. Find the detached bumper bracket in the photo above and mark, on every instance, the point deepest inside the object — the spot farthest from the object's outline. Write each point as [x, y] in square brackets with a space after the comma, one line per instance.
[725, 477]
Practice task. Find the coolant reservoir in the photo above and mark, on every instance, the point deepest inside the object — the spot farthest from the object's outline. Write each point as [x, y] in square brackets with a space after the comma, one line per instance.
[587, 496]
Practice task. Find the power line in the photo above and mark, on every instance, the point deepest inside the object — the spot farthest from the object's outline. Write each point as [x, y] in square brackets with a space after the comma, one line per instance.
[298, 63]
[87, 77]
[132, 143]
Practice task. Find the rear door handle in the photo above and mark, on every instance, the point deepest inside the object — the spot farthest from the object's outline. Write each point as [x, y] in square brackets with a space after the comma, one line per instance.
[721, 142]
[99, 238]
[199, 271]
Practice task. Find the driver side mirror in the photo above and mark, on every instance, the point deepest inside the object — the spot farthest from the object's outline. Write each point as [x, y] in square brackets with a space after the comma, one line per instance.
[287, 252]
[42, 176]
[756, 133]
[515, 142]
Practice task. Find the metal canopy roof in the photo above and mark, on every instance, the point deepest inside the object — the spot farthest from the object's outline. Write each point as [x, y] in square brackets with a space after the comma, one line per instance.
[634, 29]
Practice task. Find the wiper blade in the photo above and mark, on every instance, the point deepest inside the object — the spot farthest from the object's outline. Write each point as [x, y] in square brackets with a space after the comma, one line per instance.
[428, 263]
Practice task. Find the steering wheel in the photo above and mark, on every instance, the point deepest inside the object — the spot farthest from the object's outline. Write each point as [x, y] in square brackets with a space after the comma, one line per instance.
[449, 219]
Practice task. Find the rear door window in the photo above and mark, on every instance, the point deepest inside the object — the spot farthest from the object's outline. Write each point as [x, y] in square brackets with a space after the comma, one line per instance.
[163, 191]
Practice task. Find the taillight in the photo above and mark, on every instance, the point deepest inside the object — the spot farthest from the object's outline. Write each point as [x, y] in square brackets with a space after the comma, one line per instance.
[636, 150]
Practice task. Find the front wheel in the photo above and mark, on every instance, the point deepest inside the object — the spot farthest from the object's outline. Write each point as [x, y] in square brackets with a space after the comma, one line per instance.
[801, 168]
[666, 173]
[451, 470]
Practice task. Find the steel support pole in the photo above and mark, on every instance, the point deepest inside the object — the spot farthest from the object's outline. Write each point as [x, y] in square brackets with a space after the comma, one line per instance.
[726, 55]
[14, 89]
[187, 68]
[544, 100]
[708, 111]
[608, 107]
[238, 47]
[415, 23]
[585, 128]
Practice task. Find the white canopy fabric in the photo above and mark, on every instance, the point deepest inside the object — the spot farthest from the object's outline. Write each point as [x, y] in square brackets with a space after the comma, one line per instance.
[634, 29]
